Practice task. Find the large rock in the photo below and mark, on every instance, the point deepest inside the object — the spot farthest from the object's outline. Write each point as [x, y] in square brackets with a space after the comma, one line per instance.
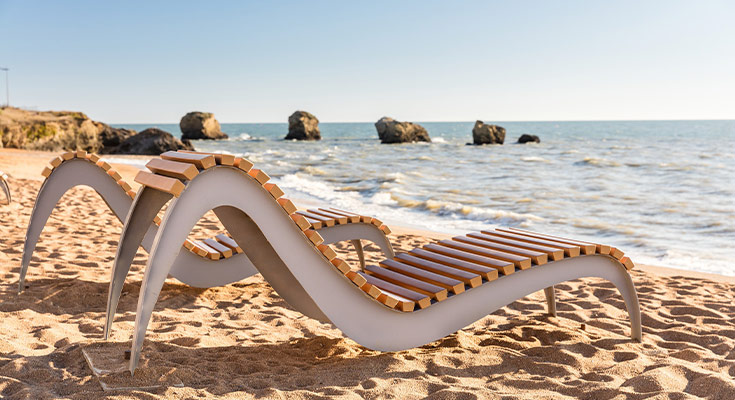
[526, 138]
[200, 125]
[152, 141]
[303, 126]
[392, 131]
[111, 138]
[49, 130]
[487, 134]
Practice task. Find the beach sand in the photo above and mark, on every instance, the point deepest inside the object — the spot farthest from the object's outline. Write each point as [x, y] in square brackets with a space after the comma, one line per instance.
[244, 341]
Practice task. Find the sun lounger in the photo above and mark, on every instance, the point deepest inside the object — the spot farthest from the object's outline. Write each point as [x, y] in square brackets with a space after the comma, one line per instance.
[4, 185]
[406, 301]
[202, 263]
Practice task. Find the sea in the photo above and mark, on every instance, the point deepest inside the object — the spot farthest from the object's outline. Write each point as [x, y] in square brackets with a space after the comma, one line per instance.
[662, 191]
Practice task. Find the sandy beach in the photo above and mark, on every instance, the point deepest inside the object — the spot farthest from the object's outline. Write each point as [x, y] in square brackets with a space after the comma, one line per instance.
[244, 341]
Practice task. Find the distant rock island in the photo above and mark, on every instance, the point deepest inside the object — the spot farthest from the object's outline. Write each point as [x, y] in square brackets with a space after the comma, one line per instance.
[303, 125]
[200, 125]
[71, 130]
[392, 131]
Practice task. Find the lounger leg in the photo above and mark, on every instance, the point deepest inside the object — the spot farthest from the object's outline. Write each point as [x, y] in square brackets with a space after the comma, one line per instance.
[6, 189]
[66, 176]
[358, 249]
[550, 300]
[145, 207]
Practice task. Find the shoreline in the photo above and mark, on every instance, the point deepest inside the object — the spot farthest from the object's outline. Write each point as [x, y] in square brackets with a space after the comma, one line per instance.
[28, 164]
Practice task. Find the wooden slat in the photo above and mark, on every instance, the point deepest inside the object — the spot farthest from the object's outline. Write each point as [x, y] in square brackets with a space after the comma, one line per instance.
[219, 158]
[327, 251]
[554, 253]
[68, 155]
[243, 164]
[93, 157]
[538, 258]
[569, 250]
[301, 221]
[80, 154]
[599, 248]
[158, 182]
[287, 205]
[616, 253]
[325, 220]
[358, 279]
[201, 161]
[131, 194]
[503, 267]
[627, 263]
[173, 169]
[316, 224]
[352, 218]
[521, 262]
[341, 265]
[222, 249]
[487, 273]
[229, 242]
[387, 299]
[436, 292]
[46, 172]
[586, 248]
[114, 174]
[104, 165]
[259, 175]
[188, 244]
[55, 162]
[421, 299]
[453, 285]
[208, 251]
[402, 303]
[274, 190]
[363, 218]
[371, 290]
[339, 219]
[314, 237]
[124, 185]
[470, 278]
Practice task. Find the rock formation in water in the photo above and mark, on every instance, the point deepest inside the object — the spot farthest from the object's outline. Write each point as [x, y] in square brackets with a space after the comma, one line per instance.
[303, 126]
[526, 138]
[200, 125]
[487, 134]
[152, 141]
[392, 131]
[70, 131]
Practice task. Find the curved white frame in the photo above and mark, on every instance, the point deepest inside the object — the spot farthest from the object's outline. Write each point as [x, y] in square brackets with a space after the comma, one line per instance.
[6, 188]
[188, 268]
[300, 274]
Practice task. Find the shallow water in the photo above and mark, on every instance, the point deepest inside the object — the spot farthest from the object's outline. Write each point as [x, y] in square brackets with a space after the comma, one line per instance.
[663, 191]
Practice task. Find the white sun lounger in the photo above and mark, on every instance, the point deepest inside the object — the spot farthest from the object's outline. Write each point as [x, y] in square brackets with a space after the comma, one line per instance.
[407, 301]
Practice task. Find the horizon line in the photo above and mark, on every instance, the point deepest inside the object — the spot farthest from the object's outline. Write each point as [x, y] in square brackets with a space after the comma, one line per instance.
[447, 121]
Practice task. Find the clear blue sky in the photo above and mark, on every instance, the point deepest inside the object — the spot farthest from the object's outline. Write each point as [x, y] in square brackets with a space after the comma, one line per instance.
[152, 61]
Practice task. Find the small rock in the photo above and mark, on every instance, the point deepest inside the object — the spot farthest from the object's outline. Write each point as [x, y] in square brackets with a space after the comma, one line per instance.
[303, 125]
[392, 131]
[487, 134]
[525, 138]
[110, 138]
[200, 125]
[152, 141]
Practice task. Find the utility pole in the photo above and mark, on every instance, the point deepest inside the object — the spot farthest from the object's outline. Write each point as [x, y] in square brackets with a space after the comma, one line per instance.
[7, 87]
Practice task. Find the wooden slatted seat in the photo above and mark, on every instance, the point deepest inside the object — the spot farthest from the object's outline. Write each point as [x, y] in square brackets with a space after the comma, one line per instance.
[538, 258]
[487, 273]
[469, 278]
[453, 285]
[585, 248]
[502, 266]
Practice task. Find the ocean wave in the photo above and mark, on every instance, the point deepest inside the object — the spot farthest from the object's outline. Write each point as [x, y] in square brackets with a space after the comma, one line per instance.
[535, 159]
[439, 140]
[597, 162]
